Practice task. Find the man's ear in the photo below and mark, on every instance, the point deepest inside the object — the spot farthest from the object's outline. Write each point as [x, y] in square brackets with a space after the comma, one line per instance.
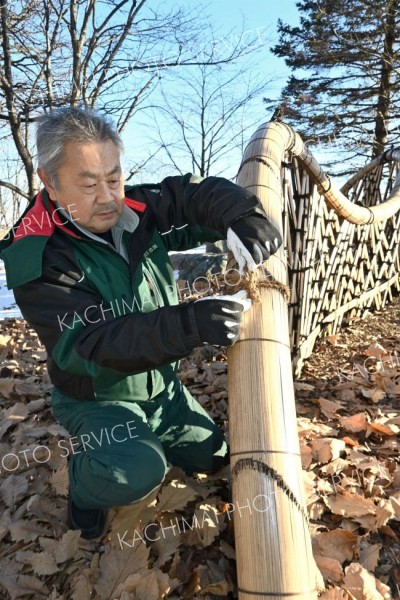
[47, 182]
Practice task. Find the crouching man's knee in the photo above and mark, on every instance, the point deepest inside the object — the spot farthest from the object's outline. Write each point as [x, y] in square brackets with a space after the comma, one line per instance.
[144, 477]
[100, 480]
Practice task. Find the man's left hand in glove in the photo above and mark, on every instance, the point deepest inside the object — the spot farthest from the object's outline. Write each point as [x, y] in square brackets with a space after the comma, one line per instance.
[252, 240]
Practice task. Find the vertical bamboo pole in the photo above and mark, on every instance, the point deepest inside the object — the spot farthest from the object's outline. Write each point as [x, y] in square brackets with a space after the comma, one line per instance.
[273, 548]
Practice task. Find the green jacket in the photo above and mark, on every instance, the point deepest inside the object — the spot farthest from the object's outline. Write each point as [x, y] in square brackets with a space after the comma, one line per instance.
[109, 317]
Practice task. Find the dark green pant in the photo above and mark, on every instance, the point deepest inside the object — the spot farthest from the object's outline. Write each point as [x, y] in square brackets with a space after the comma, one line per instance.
[119, 450]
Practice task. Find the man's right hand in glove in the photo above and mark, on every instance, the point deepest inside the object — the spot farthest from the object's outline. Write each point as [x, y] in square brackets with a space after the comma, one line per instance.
[218, 317]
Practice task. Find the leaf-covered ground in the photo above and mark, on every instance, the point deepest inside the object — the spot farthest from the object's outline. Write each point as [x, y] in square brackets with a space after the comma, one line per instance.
[180, 545]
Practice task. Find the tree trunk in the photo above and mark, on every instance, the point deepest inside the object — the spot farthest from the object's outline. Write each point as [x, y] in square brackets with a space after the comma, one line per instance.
[387, 70]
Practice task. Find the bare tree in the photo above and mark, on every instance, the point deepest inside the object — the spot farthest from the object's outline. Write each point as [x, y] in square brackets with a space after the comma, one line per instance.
[204, 125]
[107, 54]
[208, 119]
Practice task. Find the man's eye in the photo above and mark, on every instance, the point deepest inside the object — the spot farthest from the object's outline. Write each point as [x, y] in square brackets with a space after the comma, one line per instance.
[113, 181]
[90, 187]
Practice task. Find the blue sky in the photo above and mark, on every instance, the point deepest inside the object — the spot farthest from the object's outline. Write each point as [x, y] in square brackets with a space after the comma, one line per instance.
[259, 18]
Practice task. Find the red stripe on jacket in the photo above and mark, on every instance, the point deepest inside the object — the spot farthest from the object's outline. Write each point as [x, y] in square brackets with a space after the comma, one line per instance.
[39, 221]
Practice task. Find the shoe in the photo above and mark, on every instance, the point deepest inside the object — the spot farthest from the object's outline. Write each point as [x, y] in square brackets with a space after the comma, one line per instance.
[90, 521]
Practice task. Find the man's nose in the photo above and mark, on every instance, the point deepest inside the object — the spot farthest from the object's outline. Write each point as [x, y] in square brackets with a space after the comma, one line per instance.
[104, 194]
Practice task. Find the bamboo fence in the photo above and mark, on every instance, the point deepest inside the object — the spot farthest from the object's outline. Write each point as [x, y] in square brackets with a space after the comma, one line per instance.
[334, 265]
[342, 246]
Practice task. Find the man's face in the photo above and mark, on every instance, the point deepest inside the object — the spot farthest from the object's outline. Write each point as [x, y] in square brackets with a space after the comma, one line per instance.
[90, 185]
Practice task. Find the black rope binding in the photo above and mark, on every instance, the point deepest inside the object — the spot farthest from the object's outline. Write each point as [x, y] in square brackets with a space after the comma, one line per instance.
[261, 467]
[256, 159]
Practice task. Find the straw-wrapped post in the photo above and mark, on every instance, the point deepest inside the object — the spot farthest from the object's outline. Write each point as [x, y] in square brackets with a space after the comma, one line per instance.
[273, 547]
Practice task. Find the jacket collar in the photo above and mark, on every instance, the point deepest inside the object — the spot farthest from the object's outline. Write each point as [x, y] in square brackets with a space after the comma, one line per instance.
[22, 247]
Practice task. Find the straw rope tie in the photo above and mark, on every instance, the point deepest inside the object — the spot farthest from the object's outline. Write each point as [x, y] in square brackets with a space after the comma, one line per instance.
[280, 594]
[256, 159]
[265, 451]
[261, 467]
[260, 339]
[252, 282]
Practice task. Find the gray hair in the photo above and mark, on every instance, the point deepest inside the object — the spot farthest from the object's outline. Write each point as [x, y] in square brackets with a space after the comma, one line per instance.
[57, 128]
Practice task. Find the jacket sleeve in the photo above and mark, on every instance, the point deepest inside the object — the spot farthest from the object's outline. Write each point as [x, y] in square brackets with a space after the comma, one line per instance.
[190, 210]
[83, 337]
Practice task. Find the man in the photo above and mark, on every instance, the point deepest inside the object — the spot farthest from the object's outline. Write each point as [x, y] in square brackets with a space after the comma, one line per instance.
[88, 262]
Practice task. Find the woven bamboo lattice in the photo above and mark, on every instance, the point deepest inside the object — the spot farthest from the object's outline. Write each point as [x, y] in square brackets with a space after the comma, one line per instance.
[339, 258]
[337, 269]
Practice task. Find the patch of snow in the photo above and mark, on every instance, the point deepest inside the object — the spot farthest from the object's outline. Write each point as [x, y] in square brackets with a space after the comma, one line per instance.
[8, 307]
[199, 250]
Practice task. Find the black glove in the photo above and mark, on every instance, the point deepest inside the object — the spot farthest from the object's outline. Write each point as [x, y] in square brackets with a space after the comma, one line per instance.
[252, 240]
[218, 318]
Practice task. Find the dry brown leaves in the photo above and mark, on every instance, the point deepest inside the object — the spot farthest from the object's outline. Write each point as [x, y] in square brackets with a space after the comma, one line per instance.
[180, 544]
[348, 428]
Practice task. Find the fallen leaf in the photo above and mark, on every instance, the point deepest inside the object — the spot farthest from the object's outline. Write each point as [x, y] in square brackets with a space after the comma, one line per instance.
[6, 386]
[175, 495]
[117, 565]
[11, 417]
[367, 522]
[338, 544]
[129, 519]
[209, 522]
[350, 505]
[355, 423]
[369, 555]
[384, 512]
[68, 546]
[165, 547]
[362, 585]
[43, 563]
[60, 481]
[4, 341]
[350, 442]
[376, 350]
[28, 388]
[81, 588]
[383, 428]
[27, 530]
[330, 568]
[329, 408]
[227, 549]
[300, 386]
[36, 405]
[5, 521]
[396, 505]
[212, 578]
[146, 585]
[26, 585]
[374, 395]
[306, 455]
[13, 489]
[327, 449]
[316, 510]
